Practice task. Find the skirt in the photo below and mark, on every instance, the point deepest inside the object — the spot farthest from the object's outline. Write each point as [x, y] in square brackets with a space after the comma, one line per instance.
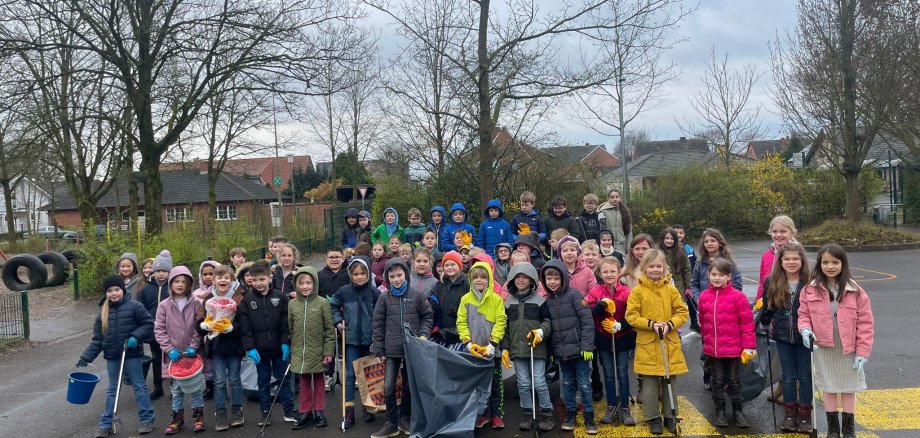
[834, 370]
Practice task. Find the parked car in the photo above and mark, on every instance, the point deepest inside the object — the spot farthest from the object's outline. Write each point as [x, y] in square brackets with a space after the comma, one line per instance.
[48, 232]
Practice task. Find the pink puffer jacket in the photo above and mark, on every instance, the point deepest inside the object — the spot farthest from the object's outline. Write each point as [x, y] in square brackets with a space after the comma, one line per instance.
[726, 321]
[582, 278]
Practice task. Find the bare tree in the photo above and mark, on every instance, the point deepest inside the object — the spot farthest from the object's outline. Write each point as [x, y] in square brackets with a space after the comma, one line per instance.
[840, 75]
[727, 118]
[904, 125]
[16, 147]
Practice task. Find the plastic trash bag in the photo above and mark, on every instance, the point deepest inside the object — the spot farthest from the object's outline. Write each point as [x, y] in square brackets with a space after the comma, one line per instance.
[755, 375]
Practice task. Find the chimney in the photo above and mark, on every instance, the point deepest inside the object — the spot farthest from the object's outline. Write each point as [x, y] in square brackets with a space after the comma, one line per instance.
[683, 139]
[587, 144]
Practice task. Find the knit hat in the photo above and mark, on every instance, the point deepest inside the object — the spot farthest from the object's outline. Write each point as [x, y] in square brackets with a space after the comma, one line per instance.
[163, 261]
[113, 280]
[565, 240]
[452, 256]
[365, 213]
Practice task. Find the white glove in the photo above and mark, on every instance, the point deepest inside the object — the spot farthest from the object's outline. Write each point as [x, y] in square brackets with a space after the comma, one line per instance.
[808, 337]
[490, 350]
[617, 327]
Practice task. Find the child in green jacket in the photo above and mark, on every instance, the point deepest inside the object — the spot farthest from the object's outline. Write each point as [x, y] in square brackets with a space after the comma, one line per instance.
[312, 345]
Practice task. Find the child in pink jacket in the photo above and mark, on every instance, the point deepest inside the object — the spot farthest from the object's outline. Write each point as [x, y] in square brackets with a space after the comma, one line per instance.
[581, 277]
[727, 326]
[835, 314]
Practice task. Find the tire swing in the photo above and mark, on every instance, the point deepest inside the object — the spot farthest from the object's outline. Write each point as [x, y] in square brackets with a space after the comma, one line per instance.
[37, 273]
[59, 267]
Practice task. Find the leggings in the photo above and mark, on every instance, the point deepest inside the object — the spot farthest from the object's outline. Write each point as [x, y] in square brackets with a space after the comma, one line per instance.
[849, 401]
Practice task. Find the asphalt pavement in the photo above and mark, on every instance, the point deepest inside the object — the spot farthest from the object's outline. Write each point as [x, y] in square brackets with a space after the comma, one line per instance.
[33, 384]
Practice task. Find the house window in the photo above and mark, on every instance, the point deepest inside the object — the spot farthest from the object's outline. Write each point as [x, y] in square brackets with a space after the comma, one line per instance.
[226, 213]
[183, 214]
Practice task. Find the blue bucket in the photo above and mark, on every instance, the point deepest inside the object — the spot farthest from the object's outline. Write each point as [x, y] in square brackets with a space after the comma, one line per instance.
[80, 387]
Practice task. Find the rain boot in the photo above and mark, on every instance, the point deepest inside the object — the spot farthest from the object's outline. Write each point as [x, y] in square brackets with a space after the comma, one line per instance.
[790, 417]
[198, 418]
[349, 415]
[804, 422]
[177, 423]
[833, 425]
[738, 415]
[848, 429]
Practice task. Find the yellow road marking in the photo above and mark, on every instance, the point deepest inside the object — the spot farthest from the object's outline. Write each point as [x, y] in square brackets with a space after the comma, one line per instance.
[692, 423]
[887, 276]
[888, 409]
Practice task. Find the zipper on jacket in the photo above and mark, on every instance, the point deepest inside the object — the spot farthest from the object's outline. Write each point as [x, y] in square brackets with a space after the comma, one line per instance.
[715, 328]
[265, 318]
[303, 352]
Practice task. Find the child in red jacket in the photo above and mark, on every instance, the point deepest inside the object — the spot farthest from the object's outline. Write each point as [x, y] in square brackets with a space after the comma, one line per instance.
[727, 325]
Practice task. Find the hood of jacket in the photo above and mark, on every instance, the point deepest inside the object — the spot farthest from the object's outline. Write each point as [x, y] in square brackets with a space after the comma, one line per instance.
[496, 204]
[526, 269]
[490, 286]
[648, 282]
[563, 272]
[366, 267]
[210, 263]
[439, 209]
[453, 208]
[396, 261]
[485, 258]
[130, 256]
[242, 270]
[311, 271]
[351, 212]
[607, 206]
[527, 239]
[177, 271]
[396, 213]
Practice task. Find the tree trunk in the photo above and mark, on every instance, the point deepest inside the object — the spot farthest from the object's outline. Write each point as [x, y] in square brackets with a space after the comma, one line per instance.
[486, 148]
[854, 199]
[212, 194]
[8, 198]
[153, 194]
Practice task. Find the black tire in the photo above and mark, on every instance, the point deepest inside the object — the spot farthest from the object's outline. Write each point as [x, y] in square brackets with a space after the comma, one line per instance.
[73, 255]
[59, 265]
[38, 273]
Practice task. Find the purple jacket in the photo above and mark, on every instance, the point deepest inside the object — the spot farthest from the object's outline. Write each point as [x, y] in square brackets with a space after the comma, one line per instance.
[175, 329]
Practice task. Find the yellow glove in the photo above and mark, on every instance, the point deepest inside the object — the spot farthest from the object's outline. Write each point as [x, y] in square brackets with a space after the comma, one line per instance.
[523, 228]
[587, 355]
[466, 238]
[536, 335]
[220, 325]
[423, 338]
[611, 306]
[747, 355]
[206, 324]
[506, 361]
[269, 256]
[475, 349]
[758, 304]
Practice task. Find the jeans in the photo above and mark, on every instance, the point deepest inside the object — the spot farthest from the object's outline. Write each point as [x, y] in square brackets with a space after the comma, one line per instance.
[726, 370]
[134, 372]
[389, 390]
[621, 374]
[353, 353]
[178, 397]
[653, 391]
[227, 368]
[576, 376]
[267, 367]
[312, 392]
[691, 308]
[522, 373]
[795, 361]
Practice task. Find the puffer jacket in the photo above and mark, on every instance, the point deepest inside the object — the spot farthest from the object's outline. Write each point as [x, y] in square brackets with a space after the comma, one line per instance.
[656, 301]
[283, 282]
[854, 318]
[699, 279]
[573, 325]
[437, 227]
[445, 302]
[330, 282]
[726, 322]
[413, 234]
[391, 312]
[766, 267]
[783, 323]
[151, 296]
[175, 329]
[589, 227]
[382, 235]
[536, 257]
[494, 231]
[582, 278]
[355, 304]
[126, 319]
[481, 319]
[623, 340]
[312, 331]
[565, 221]
[446, 239]
[533, 220]
[526, 311]
[263, 321]
[424, 283]
[225, 344]
[681, 279]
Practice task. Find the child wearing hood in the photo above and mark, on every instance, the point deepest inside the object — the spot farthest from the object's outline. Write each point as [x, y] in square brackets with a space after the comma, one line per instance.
[225, 352]
[481, 322]
[352, 313]
[528, 325]
[457, 223]
[581, 277]
[389, 228]
[312, 346]
[494, 229]
[436, 217]
[502, 262]
[120, 327]
[481, 256]
[174, 329]
[527, 243]
[130, 272]
[151, 295]
[364, 229]
[350, 229]
[572, 342]
[205, 279]
[413, 232]
[243, 278]
[401, 304]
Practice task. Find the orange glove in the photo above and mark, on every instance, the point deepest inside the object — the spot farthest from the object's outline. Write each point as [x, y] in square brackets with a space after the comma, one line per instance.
[610, 325]
[537, 335]
[269, 256]
[221, 325]
[523, 228]
[506, 361]
[466, 238]
[611, 306]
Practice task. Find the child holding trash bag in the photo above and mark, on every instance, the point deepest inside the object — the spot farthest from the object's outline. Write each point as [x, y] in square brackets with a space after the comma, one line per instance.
[835, 318]
[481, 322]
[174, 329]
[655, 306]
[120, 327]
[727, 327]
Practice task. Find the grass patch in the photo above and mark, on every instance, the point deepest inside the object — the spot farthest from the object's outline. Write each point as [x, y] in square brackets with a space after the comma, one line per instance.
[13, 344]
[846, 233]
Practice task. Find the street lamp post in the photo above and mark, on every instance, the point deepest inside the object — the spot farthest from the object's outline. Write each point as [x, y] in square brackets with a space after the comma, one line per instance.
[625, 193]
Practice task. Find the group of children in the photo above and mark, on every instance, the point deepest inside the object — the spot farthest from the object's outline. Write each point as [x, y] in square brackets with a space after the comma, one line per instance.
[602, 292]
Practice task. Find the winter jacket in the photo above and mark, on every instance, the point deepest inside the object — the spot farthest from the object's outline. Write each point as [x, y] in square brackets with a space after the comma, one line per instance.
[283, 282]
[364, 234]
[204, 290]
[175, 329]
[355, 304]
[382, 235]
[565, 221]
[481, 317]
[312, 332]
[437, 227]
[496, 286]
[573, 325]
[611, 219]
[766, 267]
[151, 296]
[424, 283]
[225, 344]
[582, 277]
[134, 284]
[783, 323]
[533, 220]
[391, 312]
[126, 319]
[494, 231]
[691, 254]
[445, 302]
[377, 267]
[263, 321]
[588, 226]
[413, 234]
[855, 322]
[350, 233]
[656, 301]
[526, 311]
[726, 322]
[501, 270]
[623, 340]
[699, 280]
[536, 257]
[330, 282]
[451, 227]
[681, 279]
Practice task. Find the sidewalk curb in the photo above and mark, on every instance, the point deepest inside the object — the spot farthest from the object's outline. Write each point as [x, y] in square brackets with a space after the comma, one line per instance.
[869, 248]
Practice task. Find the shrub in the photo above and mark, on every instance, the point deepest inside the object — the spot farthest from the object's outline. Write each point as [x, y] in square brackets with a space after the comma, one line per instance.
[843, 232]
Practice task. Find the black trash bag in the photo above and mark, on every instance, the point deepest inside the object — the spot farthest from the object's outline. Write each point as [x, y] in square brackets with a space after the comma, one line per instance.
[449, 389]
[755, 375]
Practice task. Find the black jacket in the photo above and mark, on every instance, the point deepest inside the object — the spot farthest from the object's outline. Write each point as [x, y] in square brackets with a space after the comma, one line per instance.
[566, 221]
[573, 324]
[588, 227]
[263, 322]
[330, 282]
[355, 305]
[282, 283]
[446, 303]
[783, 323]
[150, 296]
[224, 344]
[126, 319]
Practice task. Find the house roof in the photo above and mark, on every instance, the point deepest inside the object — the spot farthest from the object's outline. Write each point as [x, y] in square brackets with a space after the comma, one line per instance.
[763, 147]
[180, 187]
[682, 144]
[878, 150]
[262, 167]
[572, 154]
[660, 163]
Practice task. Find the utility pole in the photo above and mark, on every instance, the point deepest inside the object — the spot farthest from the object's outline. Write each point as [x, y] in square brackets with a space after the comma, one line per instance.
[276, 180]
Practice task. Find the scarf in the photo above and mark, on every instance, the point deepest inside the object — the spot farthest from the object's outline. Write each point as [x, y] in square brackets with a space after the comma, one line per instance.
[399, 291]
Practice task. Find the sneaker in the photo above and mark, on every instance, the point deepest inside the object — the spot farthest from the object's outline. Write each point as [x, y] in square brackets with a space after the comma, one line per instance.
[220, 420]
[482, 421]
[291, 415]
[367, 416]
[403, 424]
[611, 415]
[330, 382]
[526, 420]
[236, 416]
[103, 432]
[590, 427]
[145, 428]
[265, 419]
[319, 419]
[654, 426]
[670, 425]
[305, 421]
[547, 422]
[497, 423]
[628, 419]
[569, 422]
[388, 430]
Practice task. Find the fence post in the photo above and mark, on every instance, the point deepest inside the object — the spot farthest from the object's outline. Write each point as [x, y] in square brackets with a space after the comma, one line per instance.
[24, 298]
[76, 284]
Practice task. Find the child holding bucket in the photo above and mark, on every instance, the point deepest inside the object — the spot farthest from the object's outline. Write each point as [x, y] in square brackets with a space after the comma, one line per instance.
[175, 331]
[120, 326]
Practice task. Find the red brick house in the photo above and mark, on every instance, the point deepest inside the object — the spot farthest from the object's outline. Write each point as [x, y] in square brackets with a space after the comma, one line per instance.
[591, 156]
[760, 148]
[261, 169]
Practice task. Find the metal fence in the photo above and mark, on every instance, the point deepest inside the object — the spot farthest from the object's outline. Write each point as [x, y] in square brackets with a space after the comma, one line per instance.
[14, 316]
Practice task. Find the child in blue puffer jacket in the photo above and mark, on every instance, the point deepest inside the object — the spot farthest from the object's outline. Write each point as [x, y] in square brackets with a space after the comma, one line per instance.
[494, 229]
[457, 222]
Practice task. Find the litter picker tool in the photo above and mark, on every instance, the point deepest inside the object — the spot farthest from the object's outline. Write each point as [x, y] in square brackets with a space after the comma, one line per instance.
[342, 380]
[533, 397]
[287, 370]
[667, 381]
[121, 375]
[770, 372]
[814, 417]
[618, 410]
